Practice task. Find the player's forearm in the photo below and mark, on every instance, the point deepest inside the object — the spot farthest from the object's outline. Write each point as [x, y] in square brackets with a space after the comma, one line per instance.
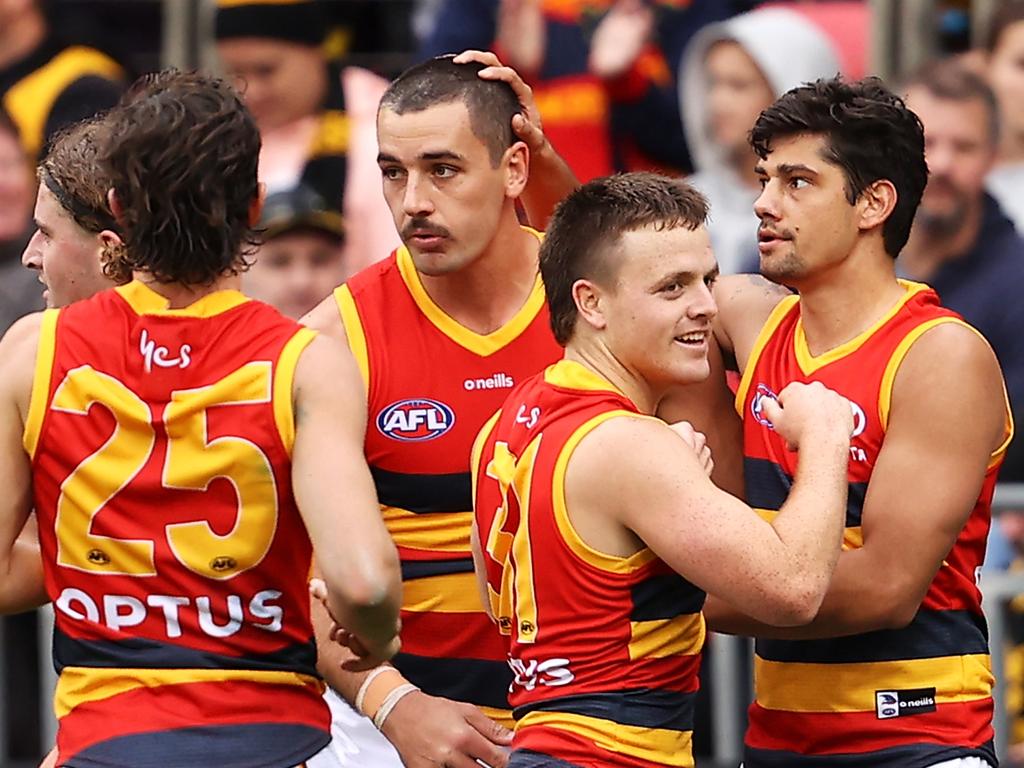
[810, 522]
[551, 179]
[331, 655]
[364, 591]
[855, 602]
[21, 578]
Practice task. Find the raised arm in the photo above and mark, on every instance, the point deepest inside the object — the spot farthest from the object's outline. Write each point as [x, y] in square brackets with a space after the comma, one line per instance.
[948, 416]
[21, 567]
[550, 178]
[657, 488]
[336, 497]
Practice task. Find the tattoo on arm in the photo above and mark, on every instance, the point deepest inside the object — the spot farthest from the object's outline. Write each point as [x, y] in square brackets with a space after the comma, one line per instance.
[770, 288]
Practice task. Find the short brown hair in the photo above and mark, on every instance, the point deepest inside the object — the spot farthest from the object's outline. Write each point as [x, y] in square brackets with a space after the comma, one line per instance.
[491, 103]
[183, 167]
[590, 222]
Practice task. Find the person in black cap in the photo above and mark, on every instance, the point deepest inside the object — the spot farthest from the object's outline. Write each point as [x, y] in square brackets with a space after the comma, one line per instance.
[47, 83]
[317, 119]
[302, 257]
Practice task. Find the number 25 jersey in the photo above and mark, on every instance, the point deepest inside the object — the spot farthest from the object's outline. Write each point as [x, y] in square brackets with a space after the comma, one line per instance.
[173, 550]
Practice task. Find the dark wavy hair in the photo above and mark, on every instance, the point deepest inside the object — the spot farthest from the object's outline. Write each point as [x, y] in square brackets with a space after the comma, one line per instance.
[588, 224]
[70, 170]
[183, 168]
[870, 135]
[491, 103]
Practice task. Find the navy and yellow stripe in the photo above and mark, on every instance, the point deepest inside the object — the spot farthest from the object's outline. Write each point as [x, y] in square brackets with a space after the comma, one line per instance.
[141, 652]
[768, 486]
[641, 727]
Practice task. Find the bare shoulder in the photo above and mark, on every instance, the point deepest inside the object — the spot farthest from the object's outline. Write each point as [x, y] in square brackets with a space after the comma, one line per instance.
[326, 318]
[629, 448]
[324, 359]
[18, 349]
[951, 369]
[744, 304]
[749, 290]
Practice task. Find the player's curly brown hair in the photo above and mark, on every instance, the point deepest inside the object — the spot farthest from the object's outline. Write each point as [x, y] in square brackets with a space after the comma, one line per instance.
[183, 167]
[72, 174]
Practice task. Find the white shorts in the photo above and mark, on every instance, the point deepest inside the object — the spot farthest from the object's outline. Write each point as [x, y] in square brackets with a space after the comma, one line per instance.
[355, 743]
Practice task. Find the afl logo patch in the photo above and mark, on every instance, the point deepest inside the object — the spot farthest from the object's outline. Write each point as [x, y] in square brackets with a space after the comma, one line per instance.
[757, 405]
[415, 420]
[860, 419]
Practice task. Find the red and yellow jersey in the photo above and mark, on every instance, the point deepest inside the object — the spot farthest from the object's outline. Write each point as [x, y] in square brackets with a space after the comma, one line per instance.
[908, 697]
[174, 553]
[605, 649]
[431, 385]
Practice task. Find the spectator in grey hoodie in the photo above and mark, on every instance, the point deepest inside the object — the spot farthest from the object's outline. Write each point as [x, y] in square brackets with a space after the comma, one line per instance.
[730, 72]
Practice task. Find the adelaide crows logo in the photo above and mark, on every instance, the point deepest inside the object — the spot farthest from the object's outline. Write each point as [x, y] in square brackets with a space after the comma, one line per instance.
[757, 405]
[415, 420]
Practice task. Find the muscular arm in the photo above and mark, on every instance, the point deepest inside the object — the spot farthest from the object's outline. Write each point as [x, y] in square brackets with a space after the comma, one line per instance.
[353, 550]
[21, 568]
[658, 490]
[947, 417]
[744, 303]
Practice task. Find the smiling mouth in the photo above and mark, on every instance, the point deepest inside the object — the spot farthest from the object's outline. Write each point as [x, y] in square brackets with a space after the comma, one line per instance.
[693, 339]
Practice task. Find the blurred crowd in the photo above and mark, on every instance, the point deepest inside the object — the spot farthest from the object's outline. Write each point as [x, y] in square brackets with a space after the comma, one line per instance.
[671, 85]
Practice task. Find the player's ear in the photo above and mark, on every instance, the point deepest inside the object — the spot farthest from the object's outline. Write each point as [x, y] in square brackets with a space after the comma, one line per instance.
[876, 203]
[587, 296]
[516, 162]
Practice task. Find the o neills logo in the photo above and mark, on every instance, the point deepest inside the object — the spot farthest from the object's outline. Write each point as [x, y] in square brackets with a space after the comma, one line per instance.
[915, 701]
[494, 381]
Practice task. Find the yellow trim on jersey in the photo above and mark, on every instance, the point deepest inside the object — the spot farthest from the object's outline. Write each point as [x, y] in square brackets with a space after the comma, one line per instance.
[569, 374]
[572, 539]
[809, 363]
[452, 593]
[483, 345]
[500, 716]
[30, 100]
[145, 301]
[763, 337]
[80, 685]
[656, 639]
[851, 687]
[657, 745]
[892, 368]
[433, 532]
[478, 448]
[40, 395]
[284, 380]
[353, 325]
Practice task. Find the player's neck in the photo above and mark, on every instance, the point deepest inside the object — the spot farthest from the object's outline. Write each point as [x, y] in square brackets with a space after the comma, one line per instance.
[180, 296]
[838, 306]
[488, 293]
[21, 36]
[597, 358]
